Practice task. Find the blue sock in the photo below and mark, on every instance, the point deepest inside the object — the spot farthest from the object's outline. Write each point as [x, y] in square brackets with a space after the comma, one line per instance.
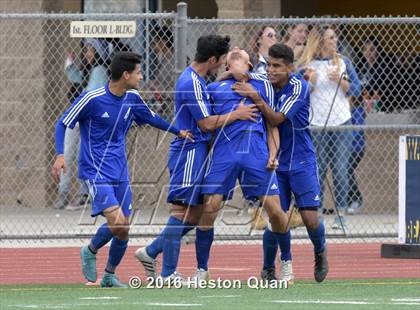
[284, 243]
[156, 247]
[171, 245]
[103, 236]
[116, 253]
[270, 246]
[317, 237]
[203, 242]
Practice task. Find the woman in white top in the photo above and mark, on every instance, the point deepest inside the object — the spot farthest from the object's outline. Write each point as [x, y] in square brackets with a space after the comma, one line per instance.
[333, 80]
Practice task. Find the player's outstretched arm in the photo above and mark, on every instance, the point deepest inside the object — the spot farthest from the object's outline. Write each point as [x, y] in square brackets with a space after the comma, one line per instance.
[59, 164]
[143, 115]
[242, 112]
[273, 141]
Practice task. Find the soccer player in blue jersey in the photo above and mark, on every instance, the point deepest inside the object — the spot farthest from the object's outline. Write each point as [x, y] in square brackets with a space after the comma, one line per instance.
[297, 171]
[187, 159]
[105, 115]
[244, 151]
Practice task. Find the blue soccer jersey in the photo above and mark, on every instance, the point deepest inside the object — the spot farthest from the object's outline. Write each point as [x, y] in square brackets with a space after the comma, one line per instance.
[240, 151]
[104, 121]
[191, 105]
[296, 147]
[224, 101]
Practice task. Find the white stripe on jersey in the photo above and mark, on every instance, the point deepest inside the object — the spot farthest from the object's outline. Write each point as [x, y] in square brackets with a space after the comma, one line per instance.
[258, 76]
[297, 88]
[138, 94]
[270, 93]
[199, 95]
[79, 106]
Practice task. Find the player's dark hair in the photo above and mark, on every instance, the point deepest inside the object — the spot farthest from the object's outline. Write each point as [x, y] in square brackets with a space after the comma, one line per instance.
[281, 51]
[123, 61]
[211, 45]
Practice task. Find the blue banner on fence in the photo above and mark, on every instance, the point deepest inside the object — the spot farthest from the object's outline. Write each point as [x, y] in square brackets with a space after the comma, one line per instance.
[412, 189]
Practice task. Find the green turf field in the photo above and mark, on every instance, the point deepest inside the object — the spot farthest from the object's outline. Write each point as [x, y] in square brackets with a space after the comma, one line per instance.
[361, 294]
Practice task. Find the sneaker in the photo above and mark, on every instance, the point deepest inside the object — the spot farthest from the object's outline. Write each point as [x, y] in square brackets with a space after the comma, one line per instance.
[111, 280]
[269, 274]
[321, 266]
[149, 263]
[339, 223]
[354, 208]
[286, 272]
[84, 200]
[88, 264]
[61, 201]
[201, 275]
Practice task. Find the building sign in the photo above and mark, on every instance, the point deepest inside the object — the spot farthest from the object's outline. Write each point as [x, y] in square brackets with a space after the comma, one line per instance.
[102, 29]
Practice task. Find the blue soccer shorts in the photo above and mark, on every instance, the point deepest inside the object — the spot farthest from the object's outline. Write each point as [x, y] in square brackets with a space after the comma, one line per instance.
[186, 170]
[106, 195]
[304, 184]
[244, 159]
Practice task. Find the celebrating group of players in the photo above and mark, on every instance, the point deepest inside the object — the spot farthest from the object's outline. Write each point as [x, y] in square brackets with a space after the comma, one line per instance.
[244, 127]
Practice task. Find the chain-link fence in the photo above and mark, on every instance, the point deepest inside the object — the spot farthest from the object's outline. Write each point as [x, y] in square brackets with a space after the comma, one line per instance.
[43, 69]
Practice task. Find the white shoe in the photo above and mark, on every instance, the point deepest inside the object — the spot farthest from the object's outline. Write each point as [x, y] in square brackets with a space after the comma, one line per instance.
[339, 223]
[148, 262]
[286, 271]
[354, 208]
[201, 275]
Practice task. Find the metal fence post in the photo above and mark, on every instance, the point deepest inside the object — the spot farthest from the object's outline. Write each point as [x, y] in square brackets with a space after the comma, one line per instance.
[181, 37]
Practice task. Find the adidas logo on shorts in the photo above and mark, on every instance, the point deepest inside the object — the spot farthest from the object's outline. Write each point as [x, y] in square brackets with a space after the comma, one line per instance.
[274, 186]
[316, 198]
[105, 115]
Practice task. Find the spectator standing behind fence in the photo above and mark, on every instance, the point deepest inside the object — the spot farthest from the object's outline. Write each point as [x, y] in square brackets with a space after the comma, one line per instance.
[358, 116]
[295, 38]
[332, 79]
[264, 39]
[372, 71]
[162, 70]
[93, 75]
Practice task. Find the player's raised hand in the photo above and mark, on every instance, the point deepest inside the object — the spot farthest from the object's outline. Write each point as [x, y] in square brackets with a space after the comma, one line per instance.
[246, 112]
[58, 165]
[272, 163]
[185, 134]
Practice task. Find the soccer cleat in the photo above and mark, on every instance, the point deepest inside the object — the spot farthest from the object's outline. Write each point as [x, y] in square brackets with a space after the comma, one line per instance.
[111, 280]
[339, 223]
[269, 274]
[321, 266]
[88, 264]
[286, 272]
[148, 262]
[201, 275]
